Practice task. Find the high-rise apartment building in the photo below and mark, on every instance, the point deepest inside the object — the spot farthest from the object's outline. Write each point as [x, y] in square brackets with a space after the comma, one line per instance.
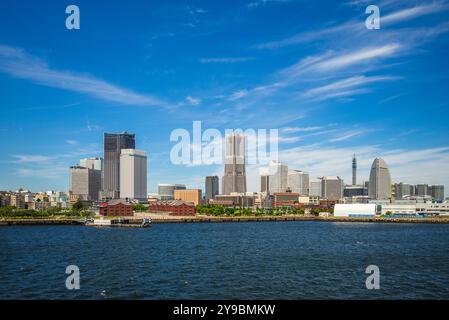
[379, 180]
[298, 181]
[113, 145]
[234, 179]
[211, 187]
[422, 190]
[402, 190]
[133, 174]
[437, 192]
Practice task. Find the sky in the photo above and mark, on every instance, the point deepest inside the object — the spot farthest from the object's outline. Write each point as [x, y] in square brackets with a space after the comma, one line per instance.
[310, 69]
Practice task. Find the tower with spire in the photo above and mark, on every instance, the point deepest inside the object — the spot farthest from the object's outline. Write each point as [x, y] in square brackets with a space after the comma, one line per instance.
[354, 170]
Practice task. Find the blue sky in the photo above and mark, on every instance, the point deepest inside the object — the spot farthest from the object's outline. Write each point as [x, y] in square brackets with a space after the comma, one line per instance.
[311, 70]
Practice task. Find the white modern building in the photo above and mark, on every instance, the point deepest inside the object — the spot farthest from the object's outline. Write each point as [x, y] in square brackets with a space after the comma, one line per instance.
[278, 177]
[395, 208]
[298, 181]
[379, 180]
[133, 174]
[355, 210]
[441, 209]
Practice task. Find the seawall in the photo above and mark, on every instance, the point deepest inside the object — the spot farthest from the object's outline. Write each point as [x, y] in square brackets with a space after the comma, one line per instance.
[210, 219]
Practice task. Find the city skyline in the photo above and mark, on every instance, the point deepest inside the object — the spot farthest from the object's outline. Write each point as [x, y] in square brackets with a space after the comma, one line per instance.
[280, 178]
[330, 96]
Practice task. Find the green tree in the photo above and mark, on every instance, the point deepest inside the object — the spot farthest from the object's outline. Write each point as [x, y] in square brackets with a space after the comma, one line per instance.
[78, 205]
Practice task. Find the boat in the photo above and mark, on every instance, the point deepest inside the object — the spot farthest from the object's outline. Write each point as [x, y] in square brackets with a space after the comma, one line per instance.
[119, 223]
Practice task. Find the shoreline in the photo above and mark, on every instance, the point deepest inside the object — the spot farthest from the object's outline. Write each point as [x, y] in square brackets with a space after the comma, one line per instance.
[210, 219]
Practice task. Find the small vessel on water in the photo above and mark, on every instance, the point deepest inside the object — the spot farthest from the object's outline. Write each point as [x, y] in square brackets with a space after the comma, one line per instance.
[130, 223]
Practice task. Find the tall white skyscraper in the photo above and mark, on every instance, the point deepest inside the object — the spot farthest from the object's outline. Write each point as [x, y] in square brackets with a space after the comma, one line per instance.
[298, 181]
[379, 180]
[133, 174]
[278, 177]
[234, 179]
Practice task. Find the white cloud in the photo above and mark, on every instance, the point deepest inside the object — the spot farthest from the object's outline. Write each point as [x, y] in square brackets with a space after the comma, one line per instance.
[351, 82]
[260, 3]
[356, 28]
[17, 63]
[226, 60]
[349, 134]
[300, 129]
[414, 12]
[193, 101]
[25, 158]
[332, 62]
[345, 87]
[238, 95]
[72, 142]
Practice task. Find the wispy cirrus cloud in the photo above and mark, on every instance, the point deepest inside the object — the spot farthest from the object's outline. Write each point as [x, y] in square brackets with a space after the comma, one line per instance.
[415, 12]
[19, 64]
[357, 28]
[25, 158]
[349, 134]
[300, 129]
[261, 3]
[238, 95]
[71, 142]
[336, 61]
[226, 59]
[193, 101]
[345, 87]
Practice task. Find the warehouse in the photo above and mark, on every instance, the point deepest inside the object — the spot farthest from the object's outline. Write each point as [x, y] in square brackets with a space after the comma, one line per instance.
[355, 210]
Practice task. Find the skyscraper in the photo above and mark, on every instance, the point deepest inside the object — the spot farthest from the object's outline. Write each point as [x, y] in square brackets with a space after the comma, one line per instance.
[422, 190]
[85, 183]
[133, 174]
[437, 192]
[92, 163]
[278, 177]
[211, 187]
[234, 179]
[332, 188]
[315, 187]
[113, 145]
[402, 190]
[354, 171]
[265, 183]
[298, 181]
[379, 180]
